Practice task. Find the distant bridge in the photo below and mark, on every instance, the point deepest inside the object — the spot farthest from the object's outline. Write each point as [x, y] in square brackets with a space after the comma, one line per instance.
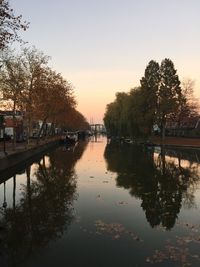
[97, 128]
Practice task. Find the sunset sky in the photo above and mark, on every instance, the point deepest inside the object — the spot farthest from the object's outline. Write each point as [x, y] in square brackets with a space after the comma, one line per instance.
[103, 46]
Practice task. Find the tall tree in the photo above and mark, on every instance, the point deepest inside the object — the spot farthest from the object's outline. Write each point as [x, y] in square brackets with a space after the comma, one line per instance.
[122, 103]
[33, 62]
[53, 97]
[190, 104]
[169, 95]
[150, 86]
[12, 84]
[10, 24]
[111, 119]
[138, 122]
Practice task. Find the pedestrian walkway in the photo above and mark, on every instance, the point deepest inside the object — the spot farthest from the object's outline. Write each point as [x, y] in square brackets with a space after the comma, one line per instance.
[22, 146]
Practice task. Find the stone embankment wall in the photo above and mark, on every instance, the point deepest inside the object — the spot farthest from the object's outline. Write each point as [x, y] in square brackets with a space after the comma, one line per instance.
[21, 159]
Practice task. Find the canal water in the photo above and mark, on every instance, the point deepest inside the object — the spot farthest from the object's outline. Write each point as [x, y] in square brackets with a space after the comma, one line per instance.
[103, 205]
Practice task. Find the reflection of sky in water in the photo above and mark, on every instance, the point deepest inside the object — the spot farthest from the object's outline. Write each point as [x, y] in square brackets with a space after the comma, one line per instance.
[184, 163]
[21, 180]
[112, 199]
[97, 185]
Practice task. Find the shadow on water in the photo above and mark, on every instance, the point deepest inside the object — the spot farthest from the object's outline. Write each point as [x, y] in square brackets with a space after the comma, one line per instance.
[21, 168]
[163, 179]
[44, 209]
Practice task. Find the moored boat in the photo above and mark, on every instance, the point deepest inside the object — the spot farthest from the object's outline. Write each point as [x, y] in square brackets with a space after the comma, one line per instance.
[69, 138]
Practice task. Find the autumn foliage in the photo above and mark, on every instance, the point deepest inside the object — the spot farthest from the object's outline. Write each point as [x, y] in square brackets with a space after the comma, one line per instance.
[28, 84]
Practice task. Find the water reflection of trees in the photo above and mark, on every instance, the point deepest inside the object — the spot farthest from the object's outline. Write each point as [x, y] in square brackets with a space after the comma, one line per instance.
[45, 209]
[162, 184]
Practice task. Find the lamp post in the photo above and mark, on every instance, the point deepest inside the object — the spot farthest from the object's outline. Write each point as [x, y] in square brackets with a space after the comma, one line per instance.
[4, 196]
[4, 138]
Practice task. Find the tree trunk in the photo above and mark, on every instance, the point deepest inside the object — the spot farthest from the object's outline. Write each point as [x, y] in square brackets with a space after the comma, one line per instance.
[14, 192]
[41, 129]
[52, 130]
[163, 127]
[14, 126]
[163, 159]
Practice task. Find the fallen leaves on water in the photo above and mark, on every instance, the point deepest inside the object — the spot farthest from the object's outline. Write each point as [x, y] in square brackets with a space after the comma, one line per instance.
[122, 203]
[179, 250]
[78, 219]
[190, 226]
[116, 230]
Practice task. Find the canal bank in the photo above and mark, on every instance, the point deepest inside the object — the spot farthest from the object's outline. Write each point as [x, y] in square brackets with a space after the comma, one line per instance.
[177, 142]
[10, 162]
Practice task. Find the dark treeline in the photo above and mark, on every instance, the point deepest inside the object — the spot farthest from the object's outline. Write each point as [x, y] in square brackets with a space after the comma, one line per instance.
[159, 98]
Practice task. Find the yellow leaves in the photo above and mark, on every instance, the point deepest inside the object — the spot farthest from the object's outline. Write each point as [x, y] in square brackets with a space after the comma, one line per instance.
[116, 230]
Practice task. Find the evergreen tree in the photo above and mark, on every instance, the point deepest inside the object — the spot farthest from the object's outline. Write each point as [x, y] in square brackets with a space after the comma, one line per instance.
[159, 99]
[150, 87]
[169, 95]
